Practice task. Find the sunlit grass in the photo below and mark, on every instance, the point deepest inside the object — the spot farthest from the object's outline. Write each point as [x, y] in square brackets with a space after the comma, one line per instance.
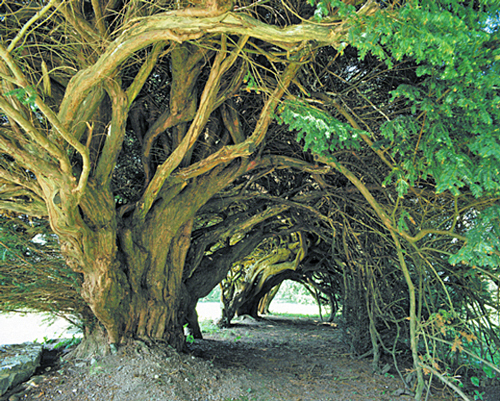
[296, 315]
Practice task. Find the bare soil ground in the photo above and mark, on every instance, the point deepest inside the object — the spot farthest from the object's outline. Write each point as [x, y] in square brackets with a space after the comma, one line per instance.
[269, 359]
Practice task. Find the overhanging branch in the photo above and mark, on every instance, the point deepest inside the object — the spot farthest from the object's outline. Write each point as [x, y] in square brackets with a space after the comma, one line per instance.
[379, 210]
[34, 209]
[166, 27]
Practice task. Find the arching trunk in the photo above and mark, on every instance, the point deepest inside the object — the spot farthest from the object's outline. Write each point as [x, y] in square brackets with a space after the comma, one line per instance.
[260, 279]
[265, 302]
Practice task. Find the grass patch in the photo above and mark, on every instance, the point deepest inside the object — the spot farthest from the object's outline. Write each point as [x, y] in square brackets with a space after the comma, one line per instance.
[296, 315]
[209, 327]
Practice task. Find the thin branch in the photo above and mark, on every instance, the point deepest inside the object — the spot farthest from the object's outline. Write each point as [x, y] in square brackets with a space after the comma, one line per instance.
[475, 356]
[54, 121]
[20, 180]
[445, 381]
[267, 112]
[84, 29]
[379, 210]
[71, 140]
[34, 134]
[231, 121]
[39, 14]
[35, 209]
[143, 74]
[355, 125]
[116, 132]
[233, 226]
[99, 19]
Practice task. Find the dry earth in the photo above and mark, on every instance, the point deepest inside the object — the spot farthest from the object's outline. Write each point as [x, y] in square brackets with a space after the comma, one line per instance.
[269, 359]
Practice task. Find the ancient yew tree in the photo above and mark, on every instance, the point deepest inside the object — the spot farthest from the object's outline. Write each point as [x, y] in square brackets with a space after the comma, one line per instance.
[159, 139]
[83, 83]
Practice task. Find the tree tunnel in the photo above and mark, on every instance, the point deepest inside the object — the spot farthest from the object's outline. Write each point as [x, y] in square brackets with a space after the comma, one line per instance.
[251, 282]
[252, 293]
[171, 148]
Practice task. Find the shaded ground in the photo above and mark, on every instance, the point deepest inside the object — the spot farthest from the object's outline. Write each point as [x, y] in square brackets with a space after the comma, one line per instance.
[270, 359]
[294, 359]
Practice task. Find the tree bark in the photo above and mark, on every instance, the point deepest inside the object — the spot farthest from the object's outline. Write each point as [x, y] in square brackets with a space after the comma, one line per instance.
[265, 302]
[133, 258]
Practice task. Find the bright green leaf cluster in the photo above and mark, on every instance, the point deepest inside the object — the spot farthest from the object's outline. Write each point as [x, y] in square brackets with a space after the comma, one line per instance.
[323, 8]
[322, 133]
[483, 240]
[451, 131]
[25, 96]
[251, 83]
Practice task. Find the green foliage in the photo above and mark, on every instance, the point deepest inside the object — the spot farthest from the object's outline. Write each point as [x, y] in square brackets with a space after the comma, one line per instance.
[451, 133]
[453, 340]
[189, 337]
[209, 327]
[298, 315]
[251, 83]
[25, 96]
[442, 134]
[68, 343]
[452, 130]
[483, 241]
[33, 275]
[476, 382]
[322, 133]
[60, 344]
[338, 7]
[241, 398]
[489, 373]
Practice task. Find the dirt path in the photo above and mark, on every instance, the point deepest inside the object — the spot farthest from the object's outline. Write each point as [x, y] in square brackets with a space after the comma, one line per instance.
[268, 359]
[294, 359]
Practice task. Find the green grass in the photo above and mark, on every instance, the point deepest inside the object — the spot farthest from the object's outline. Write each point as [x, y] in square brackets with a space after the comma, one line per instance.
[208, 327]
[296, 315]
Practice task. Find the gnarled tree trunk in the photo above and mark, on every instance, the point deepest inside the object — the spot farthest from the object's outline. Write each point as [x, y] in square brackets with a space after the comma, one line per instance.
[69, 121]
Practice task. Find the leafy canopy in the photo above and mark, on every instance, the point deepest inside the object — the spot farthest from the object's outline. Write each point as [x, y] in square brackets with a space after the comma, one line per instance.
[449, 131]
